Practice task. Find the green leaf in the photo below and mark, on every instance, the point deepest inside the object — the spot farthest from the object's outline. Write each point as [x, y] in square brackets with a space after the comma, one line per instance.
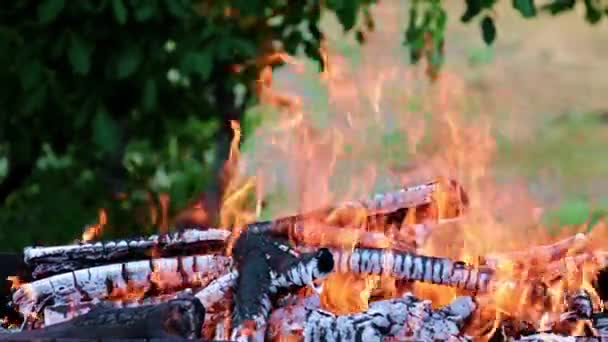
[120, 11]
[145, 9]
[79, 54]
[559, 6]
[177, 8]
[128, 61]
[198, 62]
[35, 99]
[105, 132]
[347, 14]
[473, 9]
[31, 75]
[488, 30]
[592, 13]
[149, 96]
[525, 7]
[48, 10]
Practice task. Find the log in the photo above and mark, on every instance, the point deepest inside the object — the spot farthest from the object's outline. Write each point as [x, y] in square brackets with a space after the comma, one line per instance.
[176, 319]
[217, 290]
[405, 319]
[47, 261]
[63, 312]
[115, 280]
[539, 255]
[414, 267]
[380, 207]
[266, 265]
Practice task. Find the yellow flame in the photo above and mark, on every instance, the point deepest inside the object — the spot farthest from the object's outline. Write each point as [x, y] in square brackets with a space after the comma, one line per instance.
[94, 231]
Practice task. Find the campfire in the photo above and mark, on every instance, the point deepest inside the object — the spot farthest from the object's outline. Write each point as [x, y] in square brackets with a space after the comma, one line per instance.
[283, 280]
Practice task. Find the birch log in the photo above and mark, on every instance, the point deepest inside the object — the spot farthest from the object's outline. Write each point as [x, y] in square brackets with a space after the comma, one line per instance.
[47, 261]
[101, 282]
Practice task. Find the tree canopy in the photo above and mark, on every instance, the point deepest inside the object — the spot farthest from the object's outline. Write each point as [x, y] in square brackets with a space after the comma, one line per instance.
[117, 103]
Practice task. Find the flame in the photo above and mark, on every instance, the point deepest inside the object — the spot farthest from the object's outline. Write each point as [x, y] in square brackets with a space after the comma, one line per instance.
[15, 281]
[377, 123]
[93, 231]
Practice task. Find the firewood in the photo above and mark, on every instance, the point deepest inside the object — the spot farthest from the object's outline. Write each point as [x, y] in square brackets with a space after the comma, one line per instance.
[539, 255]
[217, 290]
[101, 282]
[48, 261]
[413, 267]
[176, 319]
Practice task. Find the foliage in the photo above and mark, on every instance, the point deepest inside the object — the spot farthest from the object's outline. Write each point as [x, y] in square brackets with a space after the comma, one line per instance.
[112, 103]
[424, 34]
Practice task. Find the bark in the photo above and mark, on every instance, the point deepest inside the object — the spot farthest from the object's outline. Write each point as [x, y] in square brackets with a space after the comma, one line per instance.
[115, 280]
[178, 318]
[48, 261]
[414, 267]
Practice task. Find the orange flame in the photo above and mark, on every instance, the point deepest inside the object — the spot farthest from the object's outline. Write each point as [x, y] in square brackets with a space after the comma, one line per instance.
[376, 123]
[94, 231]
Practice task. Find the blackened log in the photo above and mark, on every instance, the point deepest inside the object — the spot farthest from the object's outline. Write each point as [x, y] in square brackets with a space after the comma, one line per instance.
[600, 283]
[265, 265]
[62, 312]
[178, 318]
[600, 324]
[253, 254]
[48, 261]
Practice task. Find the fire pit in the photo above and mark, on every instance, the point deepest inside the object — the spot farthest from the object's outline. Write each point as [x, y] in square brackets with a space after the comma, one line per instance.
[284, 280]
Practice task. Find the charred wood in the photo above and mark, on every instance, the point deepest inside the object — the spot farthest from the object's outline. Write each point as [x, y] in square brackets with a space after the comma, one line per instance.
[48, 261]
[178, 318]
[383, 207]
[413, 267]
[115, 280]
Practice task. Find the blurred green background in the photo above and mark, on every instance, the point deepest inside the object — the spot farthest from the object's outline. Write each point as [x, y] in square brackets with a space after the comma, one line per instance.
[116, 103]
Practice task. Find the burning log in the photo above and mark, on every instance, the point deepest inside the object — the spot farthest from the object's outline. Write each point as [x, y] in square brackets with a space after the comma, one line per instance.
[540, 255]
[406, 319]
[176, 319]
[114, 280]
[375, 208]
[47, 261]
[413, 267]
[264, 266]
